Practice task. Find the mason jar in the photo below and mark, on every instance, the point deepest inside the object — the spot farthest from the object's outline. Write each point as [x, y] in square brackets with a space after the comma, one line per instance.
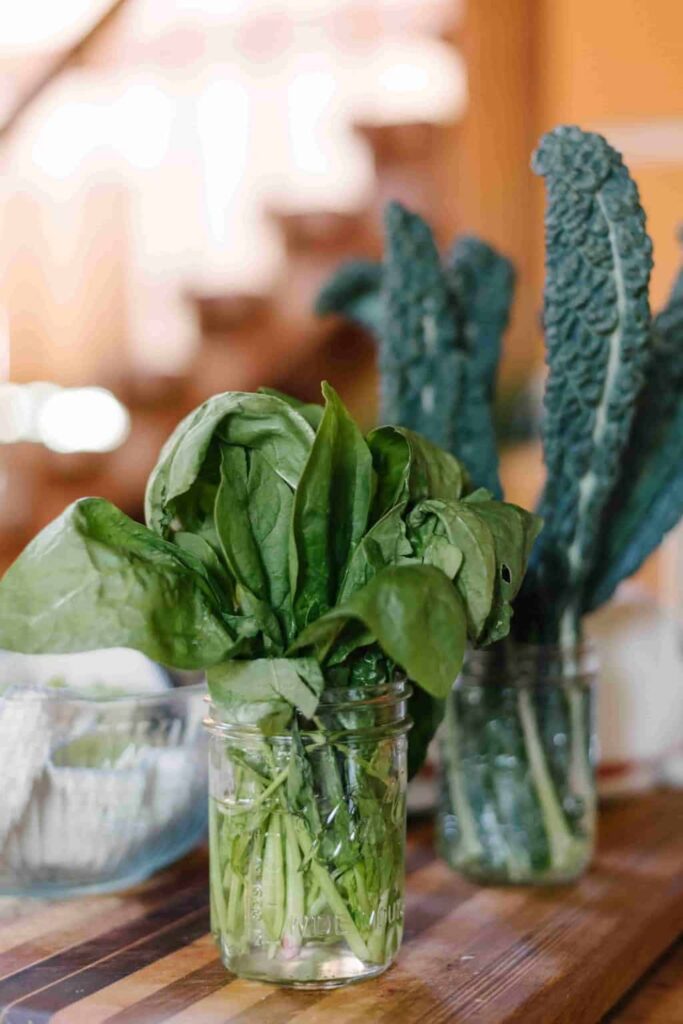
[517, 765]
[307, 840]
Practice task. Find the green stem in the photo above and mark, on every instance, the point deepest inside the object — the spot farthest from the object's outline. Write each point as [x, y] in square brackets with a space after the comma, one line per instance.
[377, 938]
[580, 774]
[361, 891]
[273, 880]
[215, 869]
[295, 899]
[263, 796]
[560, 840]
[234, 900]
[334, 899]
[470, 842]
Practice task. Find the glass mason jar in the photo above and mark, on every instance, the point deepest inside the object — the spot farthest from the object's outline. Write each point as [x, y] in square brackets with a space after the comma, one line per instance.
[517, 780]
[307, 840]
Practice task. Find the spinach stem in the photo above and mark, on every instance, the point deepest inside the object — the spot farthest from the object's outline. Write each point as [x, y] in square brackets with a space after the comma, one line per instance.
[263, 795]
[273, 887]
[295, 897]
[334, 899]
[215, 869]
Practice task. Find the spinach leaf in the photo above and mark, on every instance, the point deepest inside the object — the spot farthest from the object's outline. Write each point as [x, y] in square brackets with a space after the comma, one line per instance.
[409, 468]
[234, 526]
[271, 503]
[330, 512]
[514, 531]
[200, 549]
[311, 411]
[268, 682]
[416, 616]
[193, 512]
[251, 421]
[384, 544]
[94, 578]
[241, 548]
[253, 514]
[459, 528]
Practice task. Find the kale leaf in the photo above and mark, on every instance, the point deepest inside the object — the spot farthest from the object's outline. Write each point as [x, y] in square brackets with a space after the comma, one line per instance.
[597, 324]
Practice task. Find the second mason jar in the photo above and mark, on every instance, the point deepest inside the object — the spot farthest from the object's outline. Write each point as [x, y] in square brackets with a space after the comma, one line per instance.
[307, 840]
[517, 784]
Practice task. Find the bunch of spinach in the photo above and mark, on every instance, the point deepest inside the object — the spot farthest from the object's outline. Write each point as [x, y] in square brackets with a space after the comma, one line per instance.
[285, 552]
[278, 536]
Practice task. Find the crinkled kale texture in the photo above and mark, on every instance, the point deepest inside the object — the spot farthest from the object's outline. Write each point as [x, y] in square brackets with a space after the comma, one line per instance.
[613, 424]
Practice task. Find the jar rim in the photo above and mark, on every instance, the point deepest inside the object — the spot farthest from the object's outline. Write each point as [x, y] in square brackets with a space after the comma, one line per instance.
[526, 663]
[357, 696]
[335, 699]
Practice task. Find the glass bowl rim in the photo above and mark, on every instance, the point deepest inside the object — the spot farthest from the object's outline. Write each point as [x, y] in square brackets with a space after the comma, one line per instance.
[65, 696]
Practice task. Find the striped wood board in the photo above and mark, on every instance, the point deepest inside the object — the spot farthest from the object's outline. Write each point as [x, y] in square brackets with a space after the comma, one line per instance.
[471, 955]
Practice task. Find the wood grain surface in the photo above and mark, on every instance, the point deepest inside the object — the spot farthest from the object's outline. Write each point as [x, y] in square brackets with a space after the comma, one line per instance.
[657, 997]
[471, 955]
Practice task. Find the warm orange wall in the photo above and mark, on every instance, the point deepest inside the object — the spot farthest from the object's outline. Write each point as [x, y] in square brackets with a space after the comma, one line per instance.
[489, 190]
[620, 62]
[661, 193]
[533, 64]
[609, 59]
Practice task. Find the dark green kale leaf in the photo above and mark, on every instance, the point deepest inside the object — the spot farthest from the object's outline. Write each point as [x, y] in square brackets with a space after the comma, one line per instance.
[420, 359]
[648, 499]
[355, 292]
[597, 326]
[483, 282]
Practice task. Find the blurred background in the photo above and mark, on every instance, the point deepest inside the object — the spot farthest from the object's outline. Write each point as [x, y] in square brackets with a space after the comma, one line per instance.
[179, 178]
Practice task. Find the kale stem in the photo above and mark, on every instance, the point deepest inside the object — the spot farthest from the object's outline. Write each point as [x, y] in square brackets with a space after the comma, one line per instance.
[560, 840]
[471, 844]
[580, 774]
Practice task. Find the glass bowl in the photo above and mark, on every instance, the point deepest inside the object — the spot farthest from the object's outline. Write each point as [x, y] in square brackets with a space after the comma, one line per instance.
[97, 792]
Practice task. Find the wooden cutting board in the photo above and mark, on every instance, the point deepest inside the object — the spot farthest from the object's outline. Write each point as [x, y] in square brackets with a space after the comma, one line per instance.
[471, 955]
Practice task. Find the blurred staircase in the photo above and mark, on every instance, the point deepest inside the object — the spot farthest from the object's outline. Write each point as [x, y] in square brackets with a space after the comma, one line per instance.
[246, 339]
